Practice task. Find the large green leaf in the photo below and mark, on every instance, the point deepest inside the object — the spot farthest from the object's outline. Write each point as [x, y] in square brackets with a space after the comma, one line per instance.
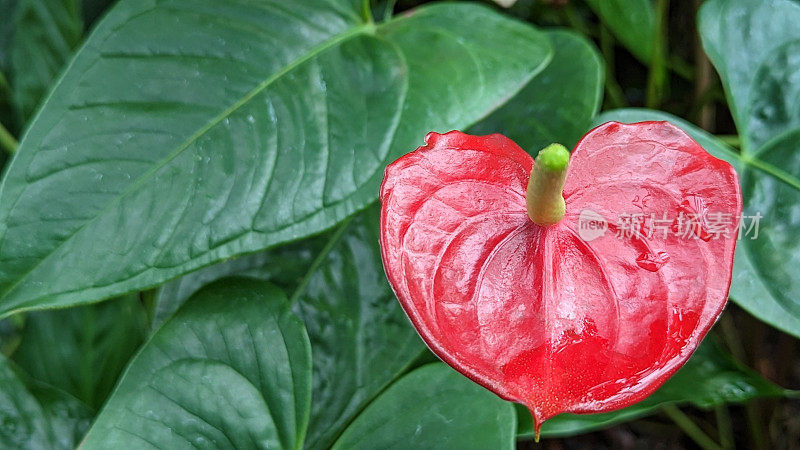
[360, 336]
[766, 270]
[361, 340]
[755, 46]
[709, 378]
[35, 416]
[82, 350]
[45, 34]
[285, 266]
[232, 369]
[558, 105]
[775, 194]
[185, 132]
[633, 23]
[433, 407]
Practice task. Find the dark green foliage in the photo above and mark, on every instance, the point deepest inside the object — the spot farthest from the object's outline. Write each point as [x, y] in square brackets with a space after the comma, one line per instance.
[209, 170]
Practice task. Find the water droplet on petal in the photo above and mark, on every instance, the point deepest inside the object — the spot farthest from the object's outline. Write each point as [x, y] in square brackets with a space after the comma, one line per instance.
[652, 261]
[431, 138]
[693, 218]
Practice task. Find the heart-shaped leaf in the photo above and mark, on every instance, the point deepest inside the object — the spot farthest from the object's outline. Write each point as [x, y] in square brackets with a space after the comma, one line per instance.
[709, 378]
[36, 416]
[232, 369]
[433, 407]
[360, 337]
[558, 105]
[562, 318]
[755, 46]
[82, 350]
[185, 132]
[765, 291]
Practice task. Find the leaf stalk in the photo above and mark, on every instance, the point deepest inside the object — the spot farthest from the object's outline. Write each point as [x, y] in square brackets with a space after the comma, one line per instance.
[690, 428]
[7, 141]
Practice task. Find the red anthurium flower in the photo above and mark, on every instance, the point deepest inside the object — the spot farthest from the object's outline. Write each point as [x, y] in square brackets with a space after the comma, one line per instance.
[583, 303]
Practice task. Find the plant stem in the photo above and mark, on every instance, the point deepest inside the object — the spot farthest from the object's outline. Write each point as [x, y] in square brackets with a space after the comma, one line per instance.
[389, 10]
[149, 300]
[7, 141]
[366, 11]
[616, 98]
[724, 427]
[681, 68]
[4, 86]
[706, 115]
[728, 330]
[754, 423]
[690, 428]
[731, 139]
[731, 335]
[657, 79]
[572, 19]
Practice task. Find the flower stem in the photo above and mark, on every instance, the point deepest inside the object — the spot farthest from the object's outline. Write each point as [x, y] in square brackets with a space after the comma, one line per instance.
[690, 428]
[366, 11]
[724, 427]
[657, 78]
[544, 198]
[7, 140]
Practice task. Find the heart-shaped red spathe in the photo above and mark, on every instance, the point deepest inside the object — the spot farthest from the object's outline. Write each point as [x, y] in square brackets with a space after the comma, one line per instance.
[589, 315]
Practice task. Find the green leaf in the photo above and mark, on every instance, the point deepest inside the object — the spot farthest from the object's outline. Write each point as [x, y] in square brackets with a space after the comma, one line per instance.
[710, 377]
[35, 416]
[766, 270]
[360, 338]
[558, 105]
[754, 44]
[82, 350]
[285, 266]
[66, 416]
[433, 407]
[45, 34]
[186, 132]
[632, 22]
[232, 369]
[7, 8]
[775, 194]
[775, 94]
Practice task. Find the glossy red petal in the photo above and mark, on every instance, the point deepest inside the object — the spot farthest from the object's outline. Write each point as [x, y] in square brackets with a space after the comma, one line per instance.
[551, 317]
